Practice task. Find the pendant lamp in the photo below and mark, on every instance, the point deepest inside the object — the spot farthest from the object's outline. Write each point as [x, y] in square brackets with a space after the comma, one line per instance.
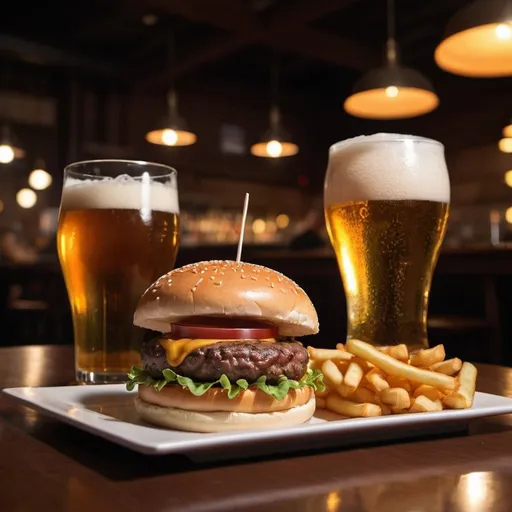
[172, 129]
[478, 40]
[9, 149]
[391, 91]
[276, 142]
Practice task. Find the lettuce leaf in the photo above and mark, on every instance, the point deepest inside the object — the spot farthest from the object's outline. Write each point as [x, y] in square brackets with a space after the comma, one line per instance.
[312, 378]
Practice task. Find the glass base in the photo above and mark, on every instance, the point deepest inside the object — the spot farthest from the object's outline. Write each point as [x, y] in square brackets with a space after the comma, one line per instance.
[85, 377]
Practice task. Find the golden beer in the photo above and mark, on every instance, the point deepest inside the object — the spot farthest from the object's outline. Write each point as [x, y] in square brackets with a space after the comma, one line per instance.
[386, 207]
[115, 238]
[387, 251]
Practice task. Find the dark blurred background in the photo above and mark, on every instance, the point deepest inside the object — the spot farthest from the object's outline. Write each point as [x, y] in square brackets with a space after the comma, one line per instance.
[87, 80]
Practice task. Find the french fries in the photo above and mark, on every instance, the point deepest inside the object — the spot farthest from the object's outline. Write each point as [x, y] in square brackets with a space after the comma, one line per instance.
[463, 397]
[366, 381]
[394, 367]
[448, 367]
[400, 352]
[428, 357]
[347, 408]
[332, 373]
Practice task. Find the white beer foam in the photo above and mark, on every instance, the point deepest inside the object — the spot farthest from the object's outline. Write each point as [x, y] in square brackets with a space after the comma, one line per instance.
[386, 166]
[123, 192]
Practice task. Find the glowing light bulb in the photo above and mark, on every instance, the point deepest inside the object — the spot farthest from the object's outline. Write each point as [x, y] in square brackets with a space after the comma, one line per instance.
[26, 198]
[259, 226]
[282, 220]
[503, 32]
[274, 148]
[508, 178]
[392, 91]
[39, 179]
[505, 145]
[169, 137]
[6, 154]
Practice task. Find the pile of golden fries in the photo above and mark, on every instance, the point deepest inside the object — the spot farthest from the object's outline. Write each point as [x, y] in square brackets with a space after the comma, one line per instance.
[362, 380]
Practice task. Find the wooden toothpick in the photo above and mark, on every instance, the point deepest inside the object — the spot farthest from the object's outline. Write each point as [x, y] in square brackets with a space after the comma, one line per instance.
[242, 229]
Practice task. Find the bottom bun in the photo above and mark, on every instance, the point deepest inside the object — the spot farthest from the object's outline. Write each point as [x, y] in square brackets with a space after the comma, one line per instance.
[222, 421]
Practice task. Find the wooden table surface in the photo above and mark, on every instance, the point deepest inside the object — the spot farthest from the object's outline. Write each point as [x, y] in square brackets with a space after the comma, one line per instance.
[46, 465]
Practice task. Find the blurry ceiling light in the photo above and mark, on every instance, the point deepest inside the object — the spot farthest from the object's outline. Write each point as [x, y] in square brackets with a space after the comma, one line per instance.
[259, 226]
[39, 179]
[508, 215]
[26, 198]
[282, 221]
[391, 91]
[9, 150]
[508, 178]
[276, 142]
[173, 130]
[505, 145]
[507, 131]
[478, 40]
[6, 154]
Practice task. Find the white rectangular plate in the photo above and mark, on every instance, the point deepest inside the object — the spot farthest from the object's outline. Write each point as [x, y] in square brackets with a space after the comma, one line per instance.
[108, 411]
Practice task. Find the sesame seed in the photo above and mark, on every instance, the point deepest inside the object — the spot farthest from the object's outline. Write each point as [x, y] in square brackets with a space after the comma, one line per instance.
[202, 271]
[280, 279]
[212, 277]
[169, 281]
[158, 298]
[283, 290]
[194, 288]
[217, 283]
[267, 278]
[194, 270]
[254, 278]
[153, 290]
[243, 277]
[271, 285]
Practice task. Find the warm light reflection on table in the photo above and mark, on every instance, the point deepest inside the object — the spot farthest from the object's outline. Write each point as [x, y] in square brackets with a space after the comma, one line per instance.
[477, 492]
[32, 366]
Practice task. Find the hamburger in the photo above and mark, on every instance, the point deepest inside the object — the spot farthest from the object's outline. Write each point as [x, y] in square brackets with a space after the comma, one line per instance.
[224, 356]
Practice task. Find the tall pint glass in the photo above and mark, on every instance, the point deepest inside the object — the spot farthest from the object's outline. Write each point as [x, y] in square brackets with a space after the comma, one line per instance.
[386, 200]
[118, 232]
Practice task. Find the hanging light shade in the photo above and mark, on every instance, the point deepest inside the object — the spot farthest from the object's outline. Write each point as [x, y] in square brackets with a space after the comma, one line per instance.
[478, 40]
[9, 149]
[391, 91]
[276, 142]
[173, 130]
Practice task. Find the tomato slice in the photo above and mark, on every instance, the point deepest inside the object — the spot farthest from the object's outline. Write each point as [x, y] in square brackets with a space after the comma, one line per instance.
[223, 329]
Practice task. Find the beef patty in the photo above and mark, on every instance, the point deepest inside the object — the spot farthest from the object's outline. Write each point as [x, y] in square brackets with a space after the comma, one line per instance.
[237, 360]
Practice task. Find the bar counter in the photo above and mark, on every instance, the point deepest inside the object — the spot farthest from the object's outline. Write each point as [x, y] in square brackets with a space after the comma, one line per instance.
[470, 297]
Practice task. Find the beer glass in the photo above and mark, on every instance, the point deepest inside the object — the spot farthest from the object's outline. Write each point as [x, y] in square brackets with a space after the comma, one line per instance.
[117, 233]
[386, 201]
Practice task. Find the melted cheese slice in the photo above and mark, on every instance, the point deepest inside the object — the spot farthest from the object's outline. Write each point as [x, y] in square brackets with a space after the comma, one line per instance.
[177, 350]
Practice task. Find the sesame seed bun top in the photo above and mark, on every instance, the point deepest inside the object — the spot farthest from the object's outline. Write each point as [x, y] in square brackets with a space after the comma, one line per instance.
[227, 289]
